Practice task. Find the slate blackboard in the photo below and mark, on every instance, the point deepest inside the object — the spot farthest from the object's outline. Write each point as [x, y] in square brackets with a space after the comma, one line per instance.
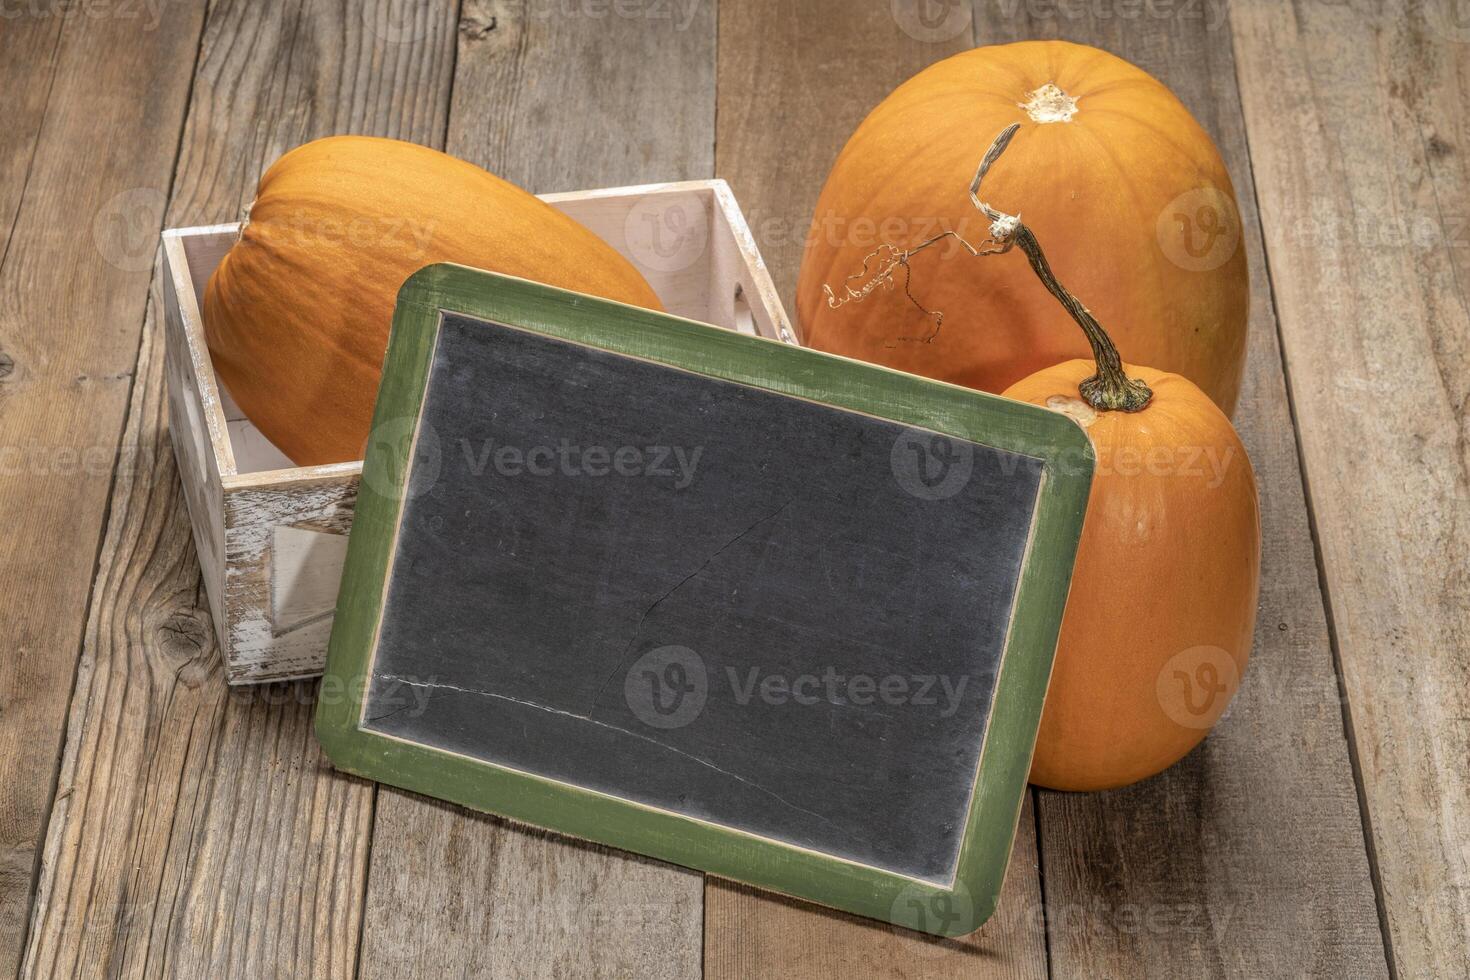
[719, 586]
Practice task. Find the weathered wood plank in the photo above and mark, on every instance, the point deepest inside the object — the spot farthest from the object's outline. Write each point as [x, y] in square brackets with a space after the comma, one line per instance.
[492, 899]
[197, 831]
[1358, 140]
[794, 80]
[77, 230]
[28, 51]
[1248, 858]
[28, 57]
[554, 97]
[567, 96]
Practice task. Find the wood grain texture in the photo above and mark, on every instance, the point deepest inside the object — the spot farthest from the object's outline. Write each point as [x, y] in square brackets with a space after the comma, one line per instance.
[78, 233]
[28, 51]
[562, 96]
[1358, 139]
[1247, 858]
[196, 831]
[494, 899]
[780, 128]
[553, 97]
[28, 61]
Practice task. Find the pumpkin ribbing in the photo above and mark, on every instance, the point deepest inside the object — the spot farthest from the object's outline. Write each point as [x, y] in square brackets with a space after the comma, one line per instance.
[1114, 172]
[297, 313]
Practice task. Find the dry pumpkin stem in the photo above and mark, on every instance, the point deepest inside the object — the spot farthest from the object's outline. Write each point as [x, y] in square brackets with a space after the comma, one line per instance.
[1110, 389]
[892, 258]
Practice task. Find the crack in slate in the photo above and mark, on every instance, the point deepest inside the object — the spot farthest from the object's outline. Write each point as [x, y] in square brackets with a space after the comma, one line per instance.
[623, 658]
[389, 714]
[453, 688]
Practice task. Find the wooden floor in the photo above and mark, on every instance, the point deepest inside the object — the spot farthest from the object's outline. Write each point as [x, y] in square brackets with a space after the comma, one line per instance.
[154, 822]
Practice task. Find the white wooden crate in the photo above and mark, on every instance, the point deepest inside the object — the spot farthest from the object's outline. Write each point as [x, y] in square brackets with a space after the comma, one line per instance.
[272, 535]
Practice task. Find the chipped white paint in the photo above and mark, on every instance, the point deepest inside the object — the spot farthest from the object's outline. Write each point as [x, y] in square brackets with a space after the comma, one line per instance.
[271, 536]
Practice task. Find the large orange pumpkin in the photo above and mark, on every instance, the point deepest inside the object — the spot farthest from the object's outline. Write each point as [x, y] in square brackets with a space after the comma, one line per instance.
[297, 313]
[1162, 610]
[1159, 620]
[1125, 188]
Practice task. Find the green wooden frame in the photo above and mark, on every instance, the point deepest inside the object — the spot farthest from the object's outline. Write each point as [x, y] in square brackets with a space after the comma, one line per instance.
[1025, 665]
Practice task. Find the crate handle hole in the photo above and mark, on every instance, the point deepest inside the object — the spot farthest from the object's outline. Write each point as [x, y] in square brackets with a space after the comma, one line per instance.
[742, 319]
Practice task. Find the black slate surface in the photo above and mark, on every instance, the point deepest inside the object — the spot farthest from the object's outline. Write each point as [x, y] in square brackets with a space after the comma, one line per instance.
[761, 611]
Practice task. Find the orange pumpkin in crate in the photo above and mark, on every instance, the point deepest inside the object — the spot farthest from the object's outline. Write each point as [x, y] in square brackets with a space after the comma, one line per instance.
[297, 313]
[1126, 189]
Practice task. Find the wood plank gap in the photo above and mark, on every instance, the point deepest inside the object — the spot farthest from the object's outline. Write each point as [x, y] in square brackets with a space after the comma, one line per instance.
[1041, 877]
[367, 878]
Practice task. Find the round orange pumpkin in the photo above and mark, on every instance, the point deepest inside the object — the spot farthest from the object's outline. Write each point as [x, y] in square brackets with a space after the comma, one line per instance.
[297, 313]
[1159, 621]
[1126, 189]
